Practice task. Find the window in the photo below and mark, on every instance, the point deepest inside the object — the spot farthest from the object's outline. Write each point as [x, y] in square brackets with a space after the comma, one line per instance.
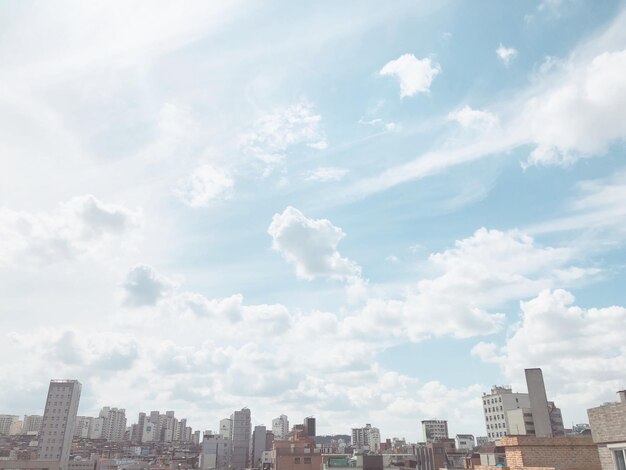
[307, 460]
[619, 457]
[296, 460]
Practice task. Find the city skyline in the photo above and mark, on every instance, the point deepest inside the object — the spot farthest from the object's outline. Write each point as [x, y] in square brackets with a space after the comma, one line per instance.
[365, 212]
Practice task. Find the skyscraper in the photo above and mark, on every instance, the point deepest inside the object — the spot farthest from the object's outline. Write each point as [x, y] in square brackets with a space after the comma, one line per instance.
[259, 440]
[280, 427]
[113, 424]
[309, 426]
[59, 418]
[240, 439]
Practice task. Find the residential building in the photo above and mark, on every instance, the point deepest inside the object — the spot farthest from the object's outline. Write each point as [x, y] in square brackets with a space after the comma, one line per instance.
[113, 423]
[482, 441]
[434, 429]
[298, 453]
[59, 419]
[608, 428]
[240, 439]
[226, 425]
[309, 426]
[32, 423]
[367, 438]
[280, 427]
[10, 425]
[259, 442]
[215, 453]
[496, 405]
[464, 441]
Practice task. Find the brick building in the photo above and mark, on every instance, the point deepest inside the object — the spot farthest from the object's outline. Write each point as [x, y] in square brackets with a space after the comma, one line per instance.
[608, 428]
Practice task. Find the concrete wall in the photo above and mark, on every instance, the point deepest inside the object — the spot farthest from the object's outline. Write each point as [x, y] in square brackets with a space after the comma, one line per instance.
[608, 426]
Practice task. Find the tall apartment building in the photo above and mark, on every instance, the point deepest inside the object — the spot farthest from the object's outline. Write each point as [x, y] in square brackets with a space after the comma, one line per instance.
[240, 439]
[259, 441]
[32, 423]
[434, 429]
[113, 423]
[10, 425]
[215, 453]
[497, 404]
[226, 426]
[280, 427]
[309, 426]
[59, 418]
[367, 438]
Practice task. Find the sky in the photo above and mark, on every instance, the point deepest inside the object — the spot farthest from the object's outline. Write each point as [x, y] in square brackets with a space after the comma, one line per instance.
[368, 212]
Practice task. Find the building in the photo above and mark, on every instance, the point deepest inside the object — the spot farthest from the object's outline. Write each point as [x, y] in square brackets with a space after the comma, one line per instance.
[113, 423]
[538, 403]
[299, 453]
[215, 453]
[367, 438]
[496, 405]
[608, 428]
[464, 441]
[32, 423]
[309, 426]
[240, 439]
[280, 427]
[482, 441]
[259, 444]
[10, 425]
[553, 453]
[59, 419]
[226, 425]
[434, 429]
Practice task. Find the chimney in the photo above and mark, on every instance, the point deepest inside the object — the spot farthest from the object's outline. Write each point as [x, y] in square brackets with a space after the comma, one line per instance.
[621, 396]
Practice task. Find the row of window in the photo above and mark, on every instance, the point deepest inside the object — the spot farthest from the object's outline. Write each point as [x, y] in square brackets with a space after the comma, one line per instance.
[493, 409]
[495, 426]
[494, 418]
[496, 434]
[491, 401]
[307, 460]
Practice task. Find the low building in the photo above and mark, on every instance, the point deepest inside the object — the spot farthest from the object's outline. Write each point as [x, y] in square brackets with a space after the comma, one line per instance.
[464, 441]
[608, 429]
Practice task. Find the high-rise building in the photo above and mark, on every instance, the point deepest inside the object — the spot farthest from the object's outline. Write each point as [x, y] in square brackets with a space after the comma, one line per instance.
[59, 419]
[32, 423]
[10, 425]
[280, 427]
[113, 423]
[434, 429]
[538, 402]
[215, 454]
[496, 406]
[226, 425]
[309, 426]
[240, 439]
[141, 420]
[259, 440]
[367, 438]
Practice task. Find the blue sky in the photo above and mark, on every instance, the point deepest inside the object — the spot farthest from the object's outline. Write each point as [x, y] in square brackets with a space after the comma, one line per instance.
[362, 211]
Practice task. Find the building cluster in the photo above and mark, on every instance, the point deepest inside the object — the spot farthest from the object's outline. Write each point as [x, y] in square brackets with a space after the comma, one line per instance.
[523, 431]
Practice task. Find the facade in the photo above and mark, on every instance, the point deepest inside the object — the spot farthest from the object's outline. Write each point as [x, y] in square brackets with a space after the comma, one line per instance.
[59, 419]
[464, 441]
[367, 438]
[240, 439]
[280, 427]
[10, 425]
[300, 453]
[309, 426]
[32, 423]
[496, 405]
[259, 442]
[215, 454]
[434, 429]
[113, 423]
[608, 428]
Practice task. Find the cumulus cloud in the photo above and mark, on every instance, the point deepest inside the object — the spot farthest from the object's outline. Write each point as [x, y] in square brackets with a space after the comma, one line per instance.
[582, 115]
[327, 173]
[579, 349]
[144, 286]
[415, 75]
[506, 54]
[80, 226]
[206, 184]
[273, 134]
[311, 246]
[474, 118]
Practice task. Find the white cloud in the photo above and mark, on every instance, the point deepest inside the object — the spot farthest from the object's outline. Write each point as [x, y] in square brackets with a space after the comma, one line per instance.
[206, 184]
[311, 245]
[580, 350]
[273, 134]
[144, 286]
[506, 54]
[80, 226]
[327, 173]
[377, 122]
[415, 75]
[474, 118]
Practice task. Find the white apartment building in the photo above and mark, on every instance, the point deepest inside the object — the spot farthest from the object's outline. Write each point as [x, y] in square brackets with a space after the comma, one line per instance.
[10, 425]
[280, 427]
[32, 423]
[59, 419]
[434, 429]
[367, 438]
[113, 423]
[496, 406]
